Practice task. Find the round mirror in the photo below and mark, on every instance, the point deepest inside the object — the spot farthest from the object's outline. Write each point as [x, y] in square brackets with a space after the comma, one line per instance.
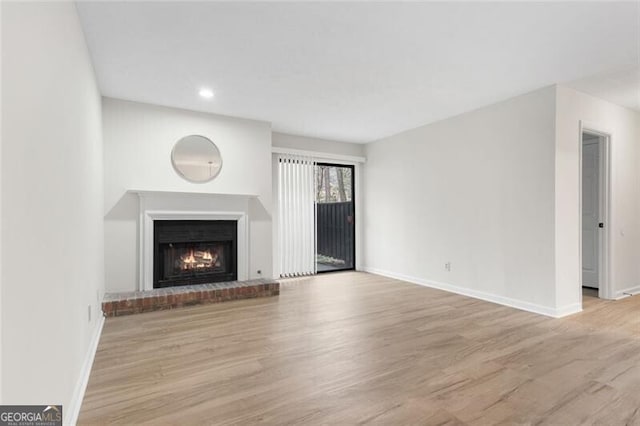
[196, 158]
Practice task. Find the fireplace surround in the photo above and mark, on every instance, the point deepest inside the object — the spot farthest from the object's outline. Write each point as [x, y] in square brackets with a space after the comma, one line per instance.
[148, 217]
[190, 252]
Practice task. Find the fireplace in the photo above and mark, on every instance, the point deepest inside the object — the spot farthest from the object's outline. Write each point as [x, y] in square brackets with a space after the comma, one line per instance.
[188, 252]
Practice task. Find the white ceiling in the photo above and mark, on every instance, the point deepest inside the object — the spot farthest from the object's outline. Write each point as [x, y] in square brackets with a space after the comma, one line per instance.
[621, 86]
[352, 71]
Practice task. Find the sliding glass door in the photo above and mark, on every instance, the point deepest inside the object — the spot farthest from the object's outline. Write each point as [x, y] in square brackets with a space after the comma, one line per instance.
[335, 217]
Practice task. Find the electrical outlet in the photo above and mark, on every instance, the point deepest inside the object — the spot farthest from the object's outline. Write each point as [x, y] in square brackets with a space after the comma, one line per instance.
[447, 266]
[89, 312]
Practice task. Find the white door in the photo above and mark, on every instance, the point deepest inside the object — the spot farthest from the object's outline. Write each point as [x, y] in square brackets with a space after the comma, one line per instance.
[590, 213]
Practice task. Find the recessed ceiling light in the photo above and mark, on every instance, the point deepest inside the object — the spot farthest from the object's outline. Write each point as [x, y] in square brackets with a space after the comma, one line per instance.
[206, 93]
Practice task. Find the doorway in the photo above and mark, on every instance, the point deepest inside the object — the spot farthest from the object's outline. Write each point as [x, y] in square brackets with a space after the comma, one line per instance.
[335, 217]
[594, 182]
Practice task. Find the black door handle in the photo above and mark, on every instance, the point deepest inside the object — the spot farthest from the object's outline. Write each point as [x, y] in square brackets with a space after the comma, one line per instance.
[601, 225]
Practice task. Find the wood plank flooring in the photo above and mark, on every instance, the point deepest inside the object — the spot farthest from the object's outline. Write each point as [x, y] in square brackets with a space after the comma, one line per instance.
[353, 348]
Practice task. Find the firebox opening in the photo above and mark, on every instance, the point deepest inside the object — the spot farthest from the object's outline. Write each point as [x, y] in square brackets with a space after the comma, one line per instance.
[191, 252]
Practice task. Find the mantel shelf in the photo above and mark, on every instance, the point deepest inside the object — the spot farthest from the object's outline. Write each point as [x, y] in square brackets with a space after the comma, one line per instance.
[147, 193]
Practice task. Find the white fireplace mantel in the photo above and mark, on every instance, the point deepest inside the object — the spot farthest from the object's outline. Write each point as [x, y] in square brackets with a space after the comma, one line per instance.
[153, 193]
[148, 216]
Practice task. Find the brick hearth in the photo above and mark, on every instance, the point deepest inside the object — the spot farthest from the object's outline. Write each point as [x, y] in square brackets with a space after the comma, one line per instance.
[135, 302]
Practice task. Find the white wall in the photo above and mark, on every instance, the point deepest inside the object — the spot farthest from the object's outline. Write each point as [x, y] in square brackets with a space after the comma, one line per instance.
[52, 238]
[476, 190]
[282, 140]
[624, 224]
[138, 139]
[1, 315]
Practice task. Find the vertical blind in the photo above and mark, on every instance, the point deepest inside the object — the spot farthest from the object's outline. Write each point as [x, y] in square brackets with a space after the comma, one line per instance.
[296, 213]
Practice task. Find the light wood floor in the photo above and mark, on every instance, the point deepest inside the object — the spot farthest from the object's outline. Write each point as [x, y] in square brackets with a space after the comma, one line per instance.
[357, 348]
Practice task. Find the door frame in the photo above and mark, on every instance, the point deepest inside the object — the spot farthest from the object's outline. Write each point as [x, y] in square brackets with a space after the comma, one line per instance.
[356, 161]
[604, 201]
[353, 201]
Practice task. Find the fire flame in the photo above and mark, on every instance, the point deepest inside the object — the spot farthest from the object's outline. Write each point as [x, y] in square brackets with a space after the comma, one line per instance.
[197, 259]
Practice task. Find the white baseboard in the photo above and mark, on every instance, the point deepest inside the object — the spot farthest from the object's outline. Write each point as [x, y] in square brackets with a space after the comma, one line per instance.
[501, 300]
[567, 310]
[71, 414]
[631, 291]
